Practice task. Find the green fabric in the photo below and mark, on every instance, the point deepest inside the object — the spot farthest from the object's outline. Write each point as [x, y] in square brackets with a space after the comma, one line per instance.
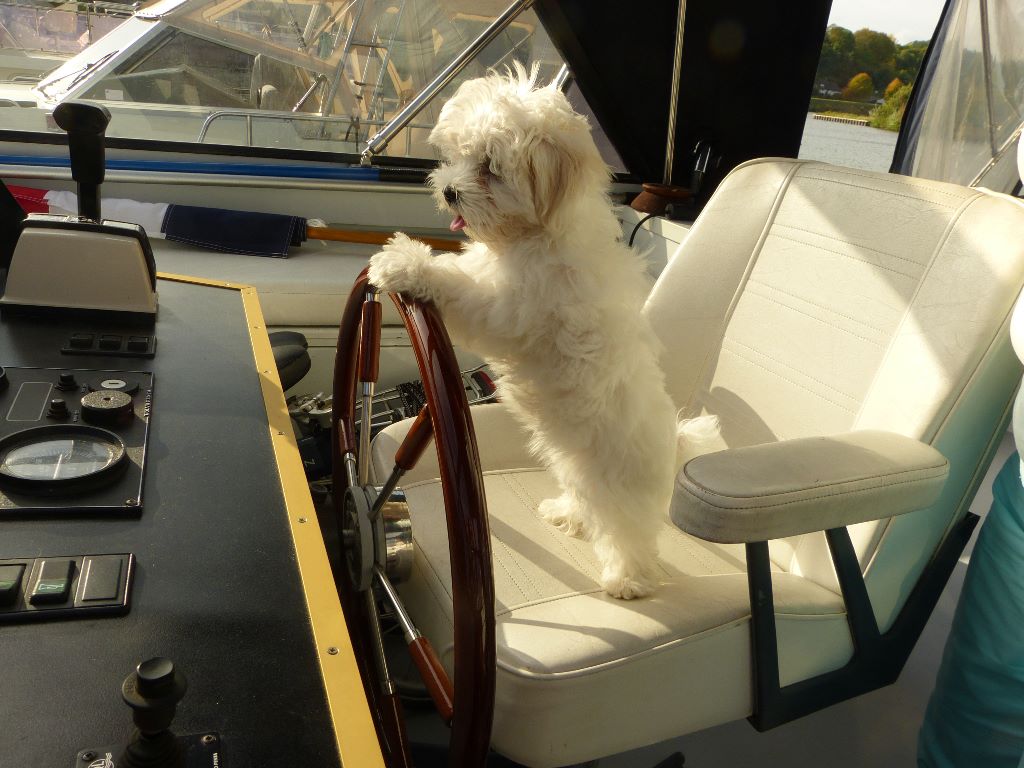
[976, 714]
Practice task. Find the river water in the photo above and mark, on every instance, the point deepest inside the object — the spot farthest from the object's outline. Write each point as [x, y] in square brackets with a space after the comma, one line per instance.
[855, 146]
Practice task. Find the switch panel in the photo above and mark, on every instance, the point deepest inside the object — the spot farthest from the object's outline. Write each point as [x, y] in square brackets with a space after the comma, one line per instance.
[109, 345]
[66, 587]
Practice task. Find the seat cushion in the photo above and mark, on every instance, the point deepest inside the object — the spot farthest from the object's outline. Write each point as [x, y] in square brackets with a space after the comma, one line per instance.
[569, 656]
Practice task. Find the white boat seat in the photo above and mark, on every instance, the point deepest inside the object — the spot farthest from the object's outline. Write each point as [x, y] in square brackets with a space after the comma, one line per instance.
[807, 301]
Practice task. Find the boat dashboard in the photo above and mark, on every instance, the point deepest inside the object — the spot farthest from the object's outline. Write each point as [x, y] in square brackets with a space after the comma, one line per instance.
[155, 525]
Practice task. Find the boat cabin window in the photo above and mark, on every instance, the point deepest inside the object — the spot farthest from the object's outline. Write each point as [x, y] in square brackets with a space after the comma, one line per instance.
[323, 76]
[180, 69]
[863, 81]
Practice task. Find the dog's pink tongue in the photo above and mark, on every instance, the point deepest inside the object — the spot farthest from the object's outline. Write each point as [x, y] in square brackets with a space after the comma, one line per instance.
[457, 223]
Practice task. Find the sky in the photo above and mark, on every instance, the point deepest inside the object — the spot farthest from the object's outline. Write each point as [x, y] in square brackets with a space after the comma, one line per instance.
[906, 20]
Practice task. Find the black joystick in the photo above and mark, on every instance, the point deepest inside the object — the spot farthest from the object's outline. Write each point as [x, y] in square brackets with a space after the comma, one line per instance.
[85, 124]
[153, 692]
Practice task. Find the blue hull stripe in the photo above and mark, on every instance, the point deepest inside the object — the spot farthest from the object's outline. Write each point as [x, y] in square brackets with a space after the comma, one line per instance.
[346, 173]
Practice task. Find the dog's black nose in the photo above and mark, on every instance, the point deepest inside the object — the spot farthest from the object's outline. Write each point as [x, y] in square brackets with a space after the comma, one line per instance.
[451, 196]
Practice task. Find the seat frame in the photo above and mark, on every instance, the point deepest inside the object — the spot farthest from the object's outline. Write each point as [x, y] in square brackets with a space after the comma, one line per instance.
[878, 658]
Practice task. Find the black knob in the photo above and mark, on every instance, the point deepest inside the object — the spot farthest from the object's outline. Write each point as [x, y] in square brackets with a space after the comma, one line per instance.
[156, 676]
[107, 408]
[66, 382]
[58, 409]
[85, 124]
[153, 691]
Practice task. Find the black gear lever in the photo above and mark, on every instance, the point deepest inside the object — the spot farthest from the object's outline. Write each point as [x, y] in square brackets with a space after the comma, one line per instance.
[153, 692]
[85, 124]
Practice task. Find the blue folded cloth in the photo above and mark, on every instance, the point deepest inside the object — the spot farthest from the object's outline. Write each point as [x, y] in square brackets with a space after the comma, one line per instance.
[260, 234]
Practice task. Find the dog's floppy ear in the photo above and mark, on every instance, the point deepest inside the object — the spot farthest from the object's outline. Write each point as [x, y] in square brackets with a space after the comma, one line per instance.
[554, 170]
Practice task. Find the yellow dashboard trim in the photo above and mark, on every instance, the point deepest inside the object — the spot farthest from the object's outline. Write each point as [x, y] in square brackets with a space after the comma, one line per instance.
[354, 730]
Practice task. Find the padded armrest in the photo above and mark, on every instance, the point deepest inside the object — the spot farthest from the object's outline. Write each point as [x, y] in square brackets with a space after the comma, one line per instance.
[791, 487]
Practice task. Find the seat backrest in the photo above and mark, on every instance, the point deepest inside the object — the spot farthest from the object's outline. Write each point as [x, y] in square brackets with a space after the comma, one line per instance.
[814, 300]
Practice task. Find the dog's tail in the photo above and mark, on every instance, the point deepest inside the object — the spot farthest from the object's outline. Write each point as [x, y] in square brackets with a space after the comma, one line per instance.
[695, 436]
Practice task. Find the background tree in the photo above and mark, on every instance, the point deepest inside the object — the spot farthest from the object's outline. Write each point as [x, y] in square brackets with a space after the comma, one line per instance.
[874, 53]
[845, 54]
[892, 86]
[889, 114]
[860, 88]
[908, 60]
[836, 64]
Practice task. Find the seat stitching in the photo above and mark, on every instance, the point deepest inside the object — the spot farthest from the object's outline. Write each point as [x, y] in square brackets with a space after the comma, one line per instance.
[795, 384]
[516, 561]
[440, 582]
[890, 179]
[887, 192]
[817, 247]
[847, 331]
[508, 573]
[793, 368]
[532, 505]
[780, 195]
[919, 478]
[907, 313]
[783, 291]
[654, 649]
[848, 242]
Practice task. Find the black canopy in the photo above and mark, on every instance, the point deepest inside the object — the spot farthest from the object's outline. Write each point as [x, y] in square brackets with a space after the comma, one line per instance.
[747, 72]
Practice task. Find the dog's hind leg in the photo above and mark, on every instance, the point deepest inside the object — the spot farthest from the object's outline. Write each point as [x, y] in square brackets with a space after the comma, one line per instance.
[566, 513]
[626, 565]
[625, 522]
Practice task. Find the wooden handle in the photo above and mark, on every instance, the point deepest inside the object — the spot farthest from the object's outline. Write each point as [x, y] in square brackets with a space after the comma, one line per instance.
[415, 441]
[369, 342]
[346, 437]
[434, 676]
[396, 741]
[376, 238]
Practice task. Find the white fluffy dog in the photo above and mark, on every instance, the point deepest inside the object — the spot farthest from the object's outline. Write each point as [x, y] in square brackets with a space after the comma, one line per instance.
[548, 294]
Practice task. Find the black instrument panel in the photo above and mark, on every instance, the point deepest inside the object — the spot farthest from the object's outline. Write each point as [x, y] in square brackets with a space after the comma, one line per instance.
[73, 440]
[215, 585]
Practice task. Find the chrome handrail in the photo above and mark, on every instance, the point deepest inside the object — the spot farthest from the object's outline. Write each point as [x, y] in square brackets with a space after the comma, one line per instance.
[383, 137]
[673, 104]
[250, 114]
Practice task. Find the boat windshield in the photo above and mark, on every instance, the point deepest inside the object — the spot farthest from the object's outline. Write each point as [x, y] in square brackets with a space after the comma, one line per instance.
[297, 74]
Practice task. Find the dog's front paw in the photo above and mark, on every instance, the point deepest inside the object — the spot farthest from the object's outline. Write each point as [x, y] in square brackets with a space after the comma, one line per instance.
[400, 267]
[565, 515]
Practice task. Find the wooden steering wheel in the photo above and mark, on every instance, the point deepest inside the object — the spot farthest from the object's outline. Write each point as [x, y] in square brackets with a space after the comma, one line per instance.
[469, 707]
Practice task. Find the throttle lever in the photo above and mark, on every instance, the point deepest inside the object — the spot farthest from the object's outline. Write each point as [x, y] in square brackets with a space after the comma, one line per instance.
[86, 125]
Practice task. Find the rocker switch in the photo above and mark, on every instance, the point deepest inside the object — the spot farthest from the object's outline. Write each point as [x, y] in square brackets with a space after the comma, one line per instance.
[10, 580]
[102, 579]
[53, 583]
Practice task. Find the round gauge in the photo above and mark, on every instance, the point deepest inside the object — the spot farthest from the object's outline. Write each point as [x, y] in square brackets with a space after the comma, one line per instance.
[59, 458]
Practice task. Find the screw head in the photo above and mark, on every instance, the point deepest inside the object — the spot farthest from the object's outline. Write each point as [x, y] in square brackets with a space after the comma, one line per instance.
[86, 756]
[332, 651]
[209, 738]
[131, 502]
[302, 519]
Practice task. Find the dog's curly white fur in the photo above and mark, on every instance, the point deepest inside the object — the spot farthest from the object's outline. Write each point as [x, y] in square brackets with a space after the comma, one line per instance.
[550, 296]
